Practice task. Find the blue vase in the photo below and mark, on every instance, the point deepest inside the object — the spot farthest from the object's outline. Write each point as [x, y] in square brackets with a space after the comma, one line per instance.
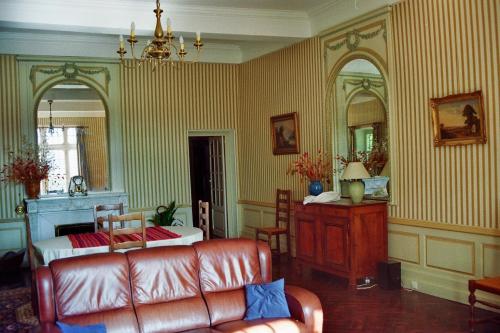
[315, 187]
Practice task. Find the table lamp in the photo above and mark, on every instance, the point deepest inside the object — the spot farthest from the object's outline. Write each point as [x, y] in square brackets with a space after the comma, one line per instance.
[356, 171]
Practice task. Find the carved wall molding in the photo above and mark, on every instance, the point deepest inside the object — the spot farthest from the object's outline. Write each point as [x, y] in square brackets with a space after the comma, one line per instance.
[40, 74]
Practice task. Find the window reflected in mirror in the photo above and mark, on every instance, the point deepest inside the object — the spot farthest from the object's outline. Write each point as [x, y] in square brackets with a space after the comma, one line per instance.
[71, 122]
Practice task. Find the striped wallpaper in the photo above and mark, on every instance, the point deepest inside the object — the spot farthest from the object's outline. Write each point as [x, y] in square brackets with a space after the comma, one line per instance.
[364, 113]
[95, 144]
[10, 127]
[445, 47]
[289, 80]
[158, 110]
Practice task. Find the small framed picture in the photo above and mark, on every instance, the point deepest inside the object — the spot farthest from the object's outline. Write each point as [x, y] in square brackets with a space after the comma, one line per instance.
[458, 119]
[285, 134]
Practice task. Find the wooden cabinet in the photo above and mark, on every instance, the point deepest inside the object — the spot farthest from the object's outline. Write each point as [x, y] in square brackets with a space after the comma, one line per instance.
[342, 238]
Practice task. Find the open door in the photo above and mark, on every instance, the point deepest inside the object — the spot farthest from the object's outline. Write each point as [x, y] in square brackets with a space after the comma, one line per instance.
[218, 186]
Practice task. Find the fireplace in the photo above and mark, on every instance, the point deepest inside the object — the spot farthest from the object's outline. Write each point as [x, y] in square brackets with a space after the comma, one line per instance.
[50, 213]
[75, 228]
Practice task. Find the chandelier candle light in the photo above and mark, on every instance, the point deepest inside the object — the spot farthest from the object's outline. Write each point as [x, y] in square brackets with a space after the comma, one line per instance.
[162, 48]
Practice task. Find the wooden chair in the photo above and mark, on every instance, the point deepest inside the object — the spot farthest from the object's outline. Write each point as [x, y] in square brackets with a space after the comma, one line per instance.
[489, 285]
[100, 219]
[204, 218]
[113, 245]
[283, 202]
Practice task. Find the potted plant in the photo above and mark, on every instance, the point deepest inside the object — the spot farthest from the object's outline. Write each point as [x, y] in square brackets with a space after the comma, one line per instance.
[316, 170]
[164, 215]
[29, 167]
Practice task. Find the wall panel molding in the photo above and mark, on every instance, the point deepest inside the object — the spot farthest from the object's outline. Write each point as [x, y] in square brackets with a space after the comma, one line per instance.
[404, 253]
[445, 256]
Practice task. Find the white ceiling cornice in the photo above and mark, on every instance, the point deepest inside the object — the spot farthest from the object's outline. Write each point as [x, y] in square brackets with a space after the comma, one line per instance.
[232, 33]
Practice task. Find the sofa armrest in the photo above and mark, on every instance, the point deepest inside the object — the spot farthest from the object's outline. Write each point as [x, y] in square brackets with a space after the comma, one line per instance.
[305, 307]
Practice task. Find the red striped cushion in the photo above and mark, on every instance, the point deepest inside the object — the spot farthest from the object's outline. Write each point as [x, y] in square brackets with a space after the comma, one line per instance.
[102, 238]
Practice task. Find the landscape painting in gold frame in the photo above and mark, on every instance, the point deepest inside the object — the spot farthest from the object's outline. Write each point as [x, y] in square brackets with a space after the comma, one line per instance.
[285, 134]
[458, 119]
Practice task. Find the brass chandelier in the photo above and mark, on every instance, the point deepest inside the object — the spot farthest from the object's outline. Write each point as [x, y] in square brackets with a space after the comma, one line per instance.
[161, 50]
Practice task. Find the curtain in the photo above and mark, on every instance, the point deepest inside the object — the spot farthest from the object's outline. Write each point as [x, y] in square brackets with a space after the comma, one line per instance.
[82, 156]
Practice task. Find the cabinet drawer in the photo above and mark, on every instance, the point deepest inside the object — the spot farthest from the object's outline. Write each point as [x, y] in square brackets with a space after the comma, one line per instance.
[334, 211]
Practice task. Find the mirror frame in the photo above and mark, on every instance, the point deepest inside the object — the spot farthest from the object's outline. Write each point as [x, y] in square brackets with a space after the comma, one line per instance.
[331, 108]
[98, 74]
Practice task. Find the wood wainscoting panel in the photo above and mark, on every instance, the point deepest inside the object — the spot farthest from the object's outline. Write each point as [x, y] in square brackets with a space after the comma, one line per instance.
[404, 246]
[450, 255]
[491, 260]
[12, 236]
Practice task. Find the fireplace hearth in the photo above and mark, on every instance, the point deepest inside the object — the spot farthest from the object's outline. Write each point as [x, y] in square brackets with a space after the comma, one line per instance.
[75, 228]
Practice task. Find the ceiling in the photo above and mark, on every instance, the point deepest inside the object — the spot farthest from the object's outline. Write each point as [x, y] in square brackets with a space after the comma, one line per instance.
[233, 31]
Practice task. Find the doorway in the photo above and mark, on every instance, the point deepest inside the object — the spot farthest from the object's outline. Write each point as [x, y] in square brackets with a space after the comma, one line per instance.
[207, 164]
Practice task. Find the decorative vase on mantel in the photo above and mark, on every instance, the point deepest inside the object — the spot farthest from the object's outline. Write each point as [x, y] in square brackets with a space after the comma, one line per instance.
[32, 189]
[315, 187]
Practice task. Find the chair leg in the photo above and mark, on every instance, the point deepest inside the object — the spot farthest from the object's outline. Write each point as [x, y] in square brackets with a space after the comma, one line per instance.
[472, 301]
[269, 242]
[278, 244]
[256, 234]
[288, 248]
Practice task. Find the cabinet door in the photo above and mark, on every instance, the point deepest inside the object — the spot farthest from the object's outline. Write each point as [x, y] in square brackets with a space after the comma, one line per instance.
[305, 237]
[335, 243]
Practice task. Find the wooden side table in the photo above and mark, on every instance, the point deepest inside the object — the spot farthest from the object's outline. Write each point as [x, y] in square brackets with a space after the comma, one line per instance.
[490, 285]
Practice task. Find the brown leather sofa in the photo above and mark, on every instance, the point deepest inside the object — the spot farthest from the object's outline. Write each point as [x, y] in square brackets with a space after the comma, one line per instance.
[198, 288]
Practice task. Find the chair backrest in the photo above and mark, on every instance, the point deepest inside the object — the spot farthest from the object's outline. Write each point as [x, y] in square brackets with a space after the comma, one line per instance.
[99, 219]
[283, 203]
[113, 244]
[204, 218]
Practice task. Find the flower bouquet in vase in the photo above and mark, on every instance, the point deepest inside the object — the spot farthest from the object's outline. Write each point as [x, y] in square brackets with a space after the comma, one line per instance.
[29, 167]
[316, 170]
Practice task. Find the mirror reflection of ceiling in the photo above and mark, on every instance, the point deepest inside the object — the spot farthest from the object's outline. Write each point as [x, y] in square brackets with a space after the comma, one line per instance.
[360, 66]
[71, 100]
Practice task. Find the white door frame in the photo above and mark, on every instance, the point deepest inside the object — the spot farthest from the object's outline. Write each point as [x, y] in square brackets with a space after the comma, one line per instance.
[231, 175]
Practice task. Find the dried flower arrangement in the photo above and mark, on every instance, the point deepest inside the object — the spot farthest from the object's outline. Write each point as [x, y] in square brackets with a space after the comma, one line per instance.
[31, 165]
[314, 169]
[373, 160]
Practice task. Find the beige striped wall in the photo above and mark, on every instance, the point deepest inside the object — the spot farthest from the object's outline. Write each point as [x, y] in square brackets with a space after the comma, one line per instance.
[10, 127]
[366, 113]
[159, 108]
[95, 144]
[289, 80]
[445, 47]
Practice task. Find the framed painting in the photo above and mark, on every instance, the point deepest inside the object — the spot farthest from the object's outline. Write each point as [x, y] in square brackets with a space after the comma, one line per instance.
[458, 119]
[285, 134]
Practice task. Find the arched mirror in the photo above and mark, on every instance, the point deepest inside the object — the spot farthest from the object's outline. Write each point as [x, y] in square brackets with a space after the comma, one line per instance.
[71, 123]
[362, 122]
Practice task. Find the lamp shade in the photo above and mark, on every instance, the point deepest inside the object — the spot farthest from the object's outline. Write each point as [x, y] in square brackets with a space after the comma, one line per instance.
[355, 170]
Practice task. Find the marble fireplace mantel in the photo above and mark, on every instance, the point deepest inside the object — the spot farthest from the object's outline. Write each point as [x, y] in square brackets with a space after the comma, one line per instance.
[48, 212]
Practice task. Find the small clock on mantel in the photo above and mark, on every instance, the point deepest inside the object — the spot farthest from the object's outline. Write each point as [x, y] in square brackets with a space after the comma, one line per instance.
[77, 186]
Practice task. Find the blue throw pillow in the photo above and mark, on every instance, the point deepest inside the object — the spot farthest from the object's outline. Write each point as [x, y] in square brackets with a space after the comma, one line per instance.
[266, 300]
[97, 328]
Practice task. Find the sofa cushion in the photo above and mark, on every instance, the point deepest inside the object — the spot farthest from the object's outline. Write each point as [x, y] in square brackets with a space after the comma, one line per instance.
[262, 326]
[96, 328]
[166, 289]
[95, 287]
[116, 321]
[266, 300]
[226, 266]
